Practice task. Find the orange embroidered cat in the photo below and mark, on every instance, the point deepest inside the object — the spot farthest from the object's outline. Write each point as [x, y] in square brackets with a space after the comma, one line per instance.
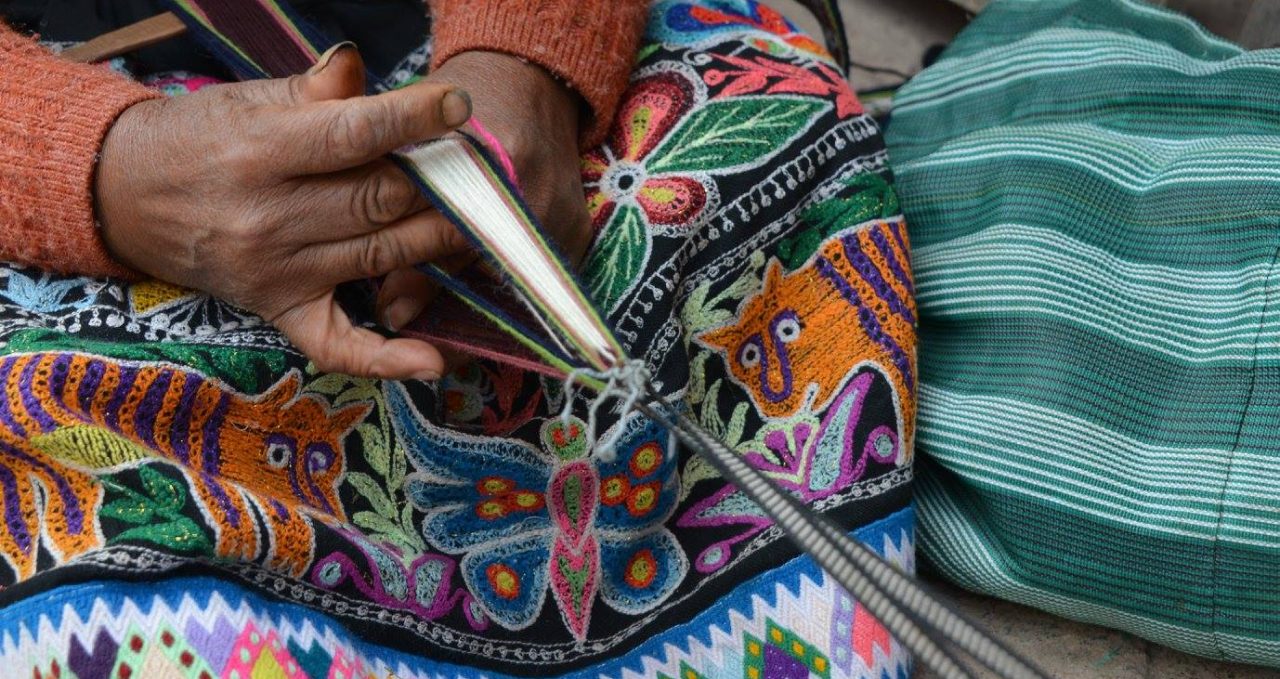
[796, 342]
[279, 452]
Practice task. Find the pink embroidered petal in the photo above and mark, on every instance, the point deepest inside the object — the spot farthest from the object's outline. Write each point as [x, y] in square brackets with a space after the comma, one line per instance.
[671, 201]
[651, 109]
[594, 164]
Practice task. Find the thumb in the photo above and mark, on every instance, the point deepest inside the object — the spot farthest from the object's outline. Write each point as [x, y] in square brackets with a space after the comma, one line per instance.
[338, 74]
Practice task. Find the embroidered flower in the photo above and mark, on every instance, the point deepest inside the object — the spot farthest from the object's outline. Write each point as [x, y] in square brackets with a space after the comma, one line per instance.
[528, 520]
[628, 171]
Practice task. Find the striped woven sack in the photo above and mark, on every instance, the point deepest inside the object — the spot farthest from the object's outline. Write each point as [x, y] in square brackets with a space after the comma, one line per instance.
[1092, 188]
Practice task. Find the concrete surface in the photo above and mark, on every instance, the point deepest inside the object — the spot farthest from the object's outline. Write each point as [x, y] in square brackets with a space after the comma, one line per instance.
[1071, 650]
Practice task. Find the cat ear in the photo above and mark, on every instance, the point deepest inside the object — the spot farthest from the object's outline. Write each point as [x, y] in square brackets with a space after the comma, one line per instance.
[283, 392]
[720, 338]
[772, 277]
[343, 421]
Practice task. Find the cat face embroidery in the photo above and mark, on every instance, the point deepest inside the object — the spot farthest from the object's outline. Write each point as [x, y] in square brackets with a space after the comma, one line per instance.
[285, 446]
[775, 348]
[796, 342]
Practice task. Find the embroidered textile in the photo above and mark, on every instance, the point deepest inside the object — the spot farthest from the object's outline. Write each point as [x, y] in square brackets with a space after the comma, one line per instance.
[749, 248]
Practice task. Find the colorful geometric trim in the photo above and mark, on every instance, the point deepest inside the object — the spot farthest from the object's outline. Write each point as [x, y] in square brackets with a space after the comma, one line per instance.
[198, 627]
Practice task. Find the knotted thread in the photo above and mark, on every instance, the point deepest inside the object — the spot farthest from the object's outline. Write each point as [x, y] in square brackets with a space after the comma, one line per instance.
[626, 382]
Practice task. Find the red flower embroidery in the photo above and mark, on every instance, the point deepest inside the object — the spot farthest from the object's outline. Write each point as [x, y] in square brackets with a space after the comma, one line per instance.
[769, 76]
[618, 173]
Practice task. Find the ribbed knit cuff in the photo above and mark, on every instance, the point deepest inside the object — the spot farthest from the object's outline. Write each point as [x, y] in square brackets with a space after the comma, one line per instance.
[590, 44]
[54, 116]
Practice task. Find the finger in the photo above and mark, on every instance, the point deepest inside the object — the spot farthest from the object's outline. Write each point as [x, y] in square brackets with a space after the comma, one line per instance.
[404, 293]
[423, 237]
[322, 331]
[328, 136]
[338, 74]
[403, 296]
[355, 202]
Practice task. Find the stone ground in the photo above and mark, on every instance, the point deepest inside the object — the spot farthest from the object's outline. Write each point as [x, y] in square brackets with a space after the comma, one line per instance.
[895, 34]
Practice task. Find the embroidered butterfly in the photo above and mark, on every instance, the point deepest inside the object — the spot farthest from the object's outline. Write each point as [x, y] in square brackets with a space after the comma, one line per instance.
[527, 520]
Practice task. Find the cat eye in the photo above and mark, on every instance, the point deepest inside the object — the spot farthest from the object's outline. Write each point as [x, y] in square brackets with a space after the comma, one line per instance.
[788, 330]
[278, 455]
[749, 355]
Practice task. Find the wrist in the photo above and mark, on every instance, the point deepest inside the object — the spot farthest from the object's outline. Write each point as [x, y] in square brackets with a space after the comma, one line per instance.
[112, 194]
[497, 81]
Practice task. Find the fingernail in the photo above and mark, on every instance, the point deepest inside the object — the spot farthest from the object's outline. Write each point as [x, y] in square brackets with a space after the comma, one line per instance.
[456, 107]
[325, 58]
[426, 375]
[401, 312]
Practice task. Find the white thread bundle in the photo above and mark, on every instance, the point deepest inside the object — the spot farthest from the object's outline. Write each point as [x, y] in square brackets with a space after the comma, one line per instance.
[450, 168]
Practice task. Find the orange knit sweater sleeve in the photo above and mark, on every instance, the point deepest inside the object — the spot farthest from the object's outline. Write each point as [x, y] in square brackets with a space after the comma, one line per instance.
[590, 44]
[53, 117]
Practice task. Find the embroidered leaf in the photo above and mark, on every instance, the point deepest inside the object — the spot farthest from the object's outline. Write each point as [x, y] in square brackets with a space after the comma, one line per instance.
[375, 448]
[133, 509]
[360, 390]
[330, 384]
[181, 534]
[617, 258]
[413, 542]
[88, 447]
[711, 411]
[697, 389]
[164, 492]
[737, 425]
[376, 522]
[697, 469]
[374, 493]
[399, 462]
[734, 134]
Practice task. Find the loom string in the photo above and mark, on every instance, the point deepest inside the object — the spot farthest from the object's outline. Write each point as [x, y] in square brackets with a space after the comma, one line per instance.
[447, 204]
[916, 618]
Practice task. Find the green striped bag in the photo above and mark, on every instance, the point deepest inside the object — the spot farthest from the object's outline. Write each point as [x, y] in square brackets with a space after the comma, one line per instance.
[1093, 189]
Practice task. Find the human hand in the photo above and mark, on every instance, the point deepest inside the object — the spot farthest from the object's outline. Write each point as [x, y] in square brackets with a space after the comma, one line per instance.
[270, 193]
[535, 117]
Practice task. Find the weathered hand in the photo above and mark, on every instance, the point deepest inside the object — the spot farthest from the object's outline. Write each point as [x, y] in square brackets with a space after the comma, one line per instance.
[268, 194]
[535, 117]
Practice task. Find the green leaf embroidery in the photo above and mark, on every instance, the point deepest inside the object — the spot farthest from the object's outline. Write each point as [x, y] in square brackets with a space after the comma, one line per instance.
[695, 470]
[734, 134]
[133, 510]
[376, 452]
[618, 258]
[181, 534]
[711, 411]
[374, 493]
[331, 384]
[375, 522]
[89, 447]
[164, 491]
[156, 515]
[737, 424]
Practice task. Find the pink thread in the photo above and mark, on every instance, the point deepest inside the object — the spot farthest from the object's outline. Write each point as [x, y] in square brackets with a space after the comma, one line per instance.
[496, 147]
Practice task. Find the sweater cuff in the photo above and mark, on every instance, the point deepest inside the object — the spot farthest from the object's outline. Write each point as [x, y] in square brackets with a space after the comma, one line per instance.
[55, 118]
[589, 44]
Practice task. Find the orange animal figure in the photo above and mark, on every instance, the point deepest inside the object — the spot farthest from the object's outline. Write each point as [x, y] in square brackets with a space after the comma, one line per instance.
[795, 343]
[278, 452]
